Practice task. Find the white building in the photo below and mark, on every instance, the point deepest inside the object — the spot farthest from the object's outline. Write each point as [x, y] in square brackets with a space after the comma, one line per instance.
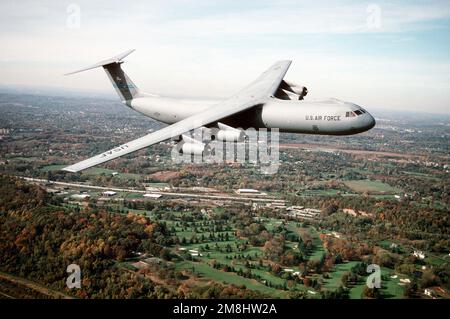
[428, 292]
[109, 193]
[247, 191]
[154, 196]
[419, 254]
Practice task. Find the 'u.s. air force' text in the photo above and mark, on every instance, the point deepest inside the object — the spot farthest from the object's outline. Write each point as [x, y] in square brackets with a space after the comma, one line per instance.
[323, 117]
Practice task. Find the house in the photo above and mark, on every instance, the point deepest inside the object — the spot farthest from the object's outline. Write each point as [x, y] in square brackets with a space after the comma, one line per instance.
[419, 254]
[80, 196]
[109, 193]
[153, 196]
[429, 292]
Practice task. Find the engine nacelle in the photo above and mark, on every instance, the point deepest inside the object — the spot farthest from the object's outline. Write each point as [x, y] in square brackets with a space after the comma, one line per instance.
[288, 94]
[195, 148]
[230, 136]
[300, 90]
[291, 91]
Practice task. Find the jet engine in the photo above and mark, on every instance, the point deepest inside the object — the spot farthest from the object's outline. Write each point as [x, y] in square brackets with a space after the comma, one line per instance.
[291, 91]
[193, 147]
[229, 134]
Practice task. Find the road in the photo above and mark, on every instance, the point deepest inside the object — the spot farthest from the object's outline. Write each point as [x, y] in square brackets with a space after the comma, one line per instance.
[32, 285]
[130, 190]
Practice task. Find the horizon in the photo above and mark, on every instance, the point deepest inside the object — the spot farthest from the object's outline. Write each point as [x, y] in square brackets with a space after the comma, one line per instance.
[51, 91]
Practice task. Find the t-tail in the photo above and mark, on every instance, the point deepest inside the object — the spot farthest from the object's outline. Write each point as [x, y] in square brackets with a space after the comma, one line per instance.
[126, 89]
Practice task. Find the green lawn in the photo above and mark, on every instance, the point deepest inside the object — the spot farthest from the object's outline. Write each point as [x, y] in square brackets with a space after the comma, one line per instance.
[421, 175]
[53, 167]
[390, 286]
[98, 170]
[318, 248]
[374, 187]
[93, 171]
[334, 281]
[229, 278]
[22, 159]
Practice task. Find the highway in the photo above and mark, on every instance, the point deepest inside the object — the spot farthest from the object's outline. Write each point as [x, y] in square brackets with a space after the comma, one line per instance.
[174, 194]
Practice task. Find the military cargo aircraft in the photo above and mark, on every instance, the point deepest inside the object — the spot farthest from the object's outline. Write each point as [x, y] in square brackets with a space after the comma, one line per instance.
[269, 102]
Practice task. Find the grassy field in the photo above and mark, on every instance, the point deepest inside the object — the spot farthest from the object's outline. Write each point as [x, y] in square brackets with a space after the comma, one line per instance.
[207, 271]
[157, 185]
[318, 251]
[372, 187]
[93, 171]
[421, 175]
[53, 167]
[22, 159]
[236, 258]
[390, 287]
[217, 251]
[98, 170]
[320, 192]
[334, 281]
[318, 247]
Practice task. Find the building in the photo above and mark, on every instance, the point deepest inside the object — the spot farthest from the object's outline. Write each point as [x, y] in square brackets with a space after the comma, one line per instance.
[80, 196]
[247, 191]
[301, 212]
[419, 254]
[154, 196]
[430, 293]
[109, 193]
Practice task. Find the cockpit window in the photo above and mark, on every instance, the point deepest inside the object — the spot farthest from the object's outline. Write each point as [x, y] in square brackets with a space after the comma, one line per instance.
[349, 114]
[358, 112]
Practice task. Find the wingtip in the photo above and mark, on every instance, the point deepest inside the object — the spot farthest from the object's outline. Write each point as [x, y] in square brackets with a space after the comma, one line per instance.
[116, 59]
[69, 169]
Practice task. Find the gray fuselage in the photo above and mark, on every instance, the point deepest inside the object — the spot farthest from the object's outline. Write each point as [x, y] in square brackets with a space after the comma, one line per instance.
[328, 117]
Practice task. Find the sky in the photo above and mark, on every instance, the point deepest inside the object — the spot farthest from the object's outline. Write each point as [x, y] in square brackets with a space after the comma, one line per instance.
[378, 54]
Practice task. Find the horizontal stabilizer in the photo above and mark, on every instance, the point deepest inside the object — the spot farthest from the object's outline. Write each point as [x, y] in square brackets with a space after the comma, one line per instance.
[116, 59]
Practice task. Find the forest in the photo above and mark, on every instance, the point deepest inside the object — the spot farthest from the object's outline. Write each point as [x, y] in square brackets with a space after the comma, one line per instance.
[38, 240]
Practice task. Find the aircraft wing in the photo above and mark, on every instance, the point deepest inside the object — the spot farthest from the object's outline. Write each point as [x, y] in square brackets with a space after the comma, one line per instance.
[254, 94]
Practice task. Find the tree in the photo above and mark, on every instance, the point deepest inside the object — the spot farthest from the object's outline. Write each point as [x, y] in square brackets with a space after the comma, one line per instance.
[373, 293]
[344, 279]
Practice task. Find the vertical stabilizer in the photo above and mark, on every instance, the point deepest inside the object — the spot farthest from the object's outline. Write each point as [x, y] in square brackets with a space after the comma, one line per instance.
[125, 88]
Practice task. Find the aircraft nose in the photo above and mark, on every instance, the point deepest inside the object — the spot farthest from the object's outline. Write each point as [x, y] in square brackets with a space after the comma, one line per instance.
[370, 121]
